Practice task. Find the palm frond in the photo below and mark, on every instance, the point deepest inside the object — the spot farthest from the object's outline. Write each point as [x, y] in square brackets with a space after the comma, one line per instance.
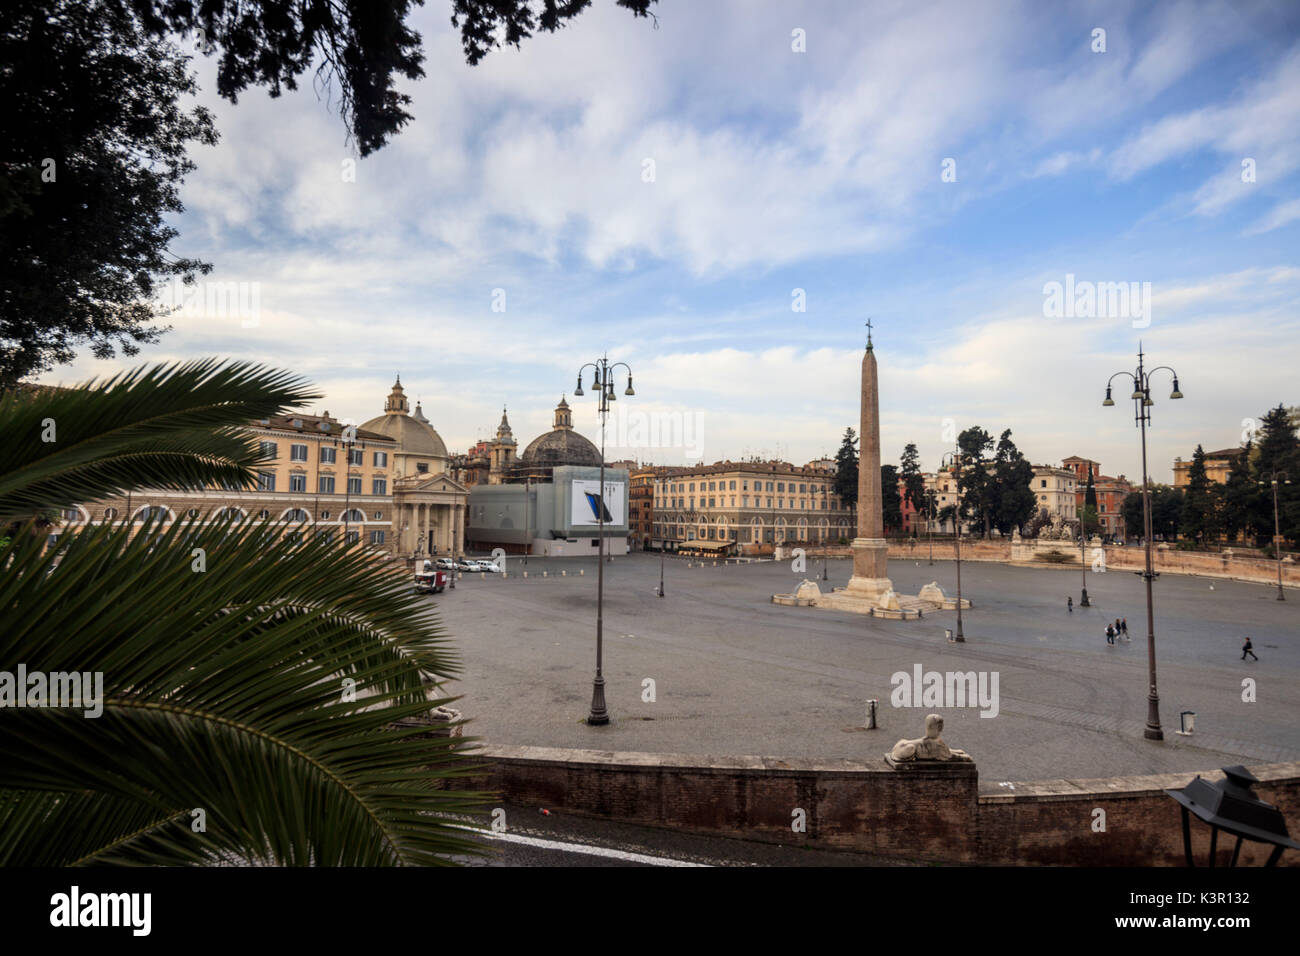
[174, 427]
[225, 690]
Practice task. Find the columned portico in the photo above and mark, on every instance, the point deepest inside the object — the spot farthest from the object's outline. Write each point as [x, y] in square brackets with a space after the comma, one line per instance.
[429, 507]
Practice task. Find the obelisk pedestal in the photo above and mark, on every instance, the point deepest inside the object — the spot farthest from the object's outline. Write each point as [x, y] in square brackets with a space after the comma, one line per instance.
[870, 579]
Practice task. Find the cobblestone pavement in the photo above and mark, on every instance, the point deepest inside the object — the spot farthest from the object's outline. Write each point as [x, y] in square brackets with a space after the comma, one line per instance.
[736, 674]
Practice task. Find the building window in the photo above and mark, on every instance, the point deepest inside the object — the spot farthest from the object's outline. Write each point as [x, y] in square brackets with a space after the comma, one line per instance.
[381, 459]
[376, 537]
[263, 514]
[379, 486]
[780, 486]
[1044, 485]
[269, 449]
[325, 484]
[324, 516]
[71, 514]
[297, 482]
[266, 481]
[297, 452]
[327, 454]
[356, 456]
[295, 514]
[379, 516]
[422, 467]
[110, 514]
[354, 486]
[353, 537]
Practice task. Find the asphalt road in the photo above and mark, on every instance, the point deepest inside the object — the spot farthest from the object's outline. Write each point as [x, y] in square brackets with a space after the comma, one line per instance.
[558, 839]
[733, 673]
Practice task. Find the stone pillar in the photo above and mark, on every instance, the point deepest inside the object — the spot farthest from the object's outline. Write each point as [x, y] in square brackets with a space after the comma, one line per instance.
[870, 550]
[458, 529]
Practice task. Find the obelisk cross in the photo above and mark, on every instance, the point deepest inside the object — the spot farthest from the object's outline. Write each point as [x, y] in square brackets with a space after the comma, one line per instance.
[868, 331]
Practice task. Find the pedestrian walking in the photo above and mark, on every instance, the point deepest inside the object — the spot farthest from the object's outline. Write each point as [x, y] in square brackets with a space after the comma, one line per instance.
[1117, 630]
[1110, 633]
[1123, 626]
[1069, 604]
[1247, 648]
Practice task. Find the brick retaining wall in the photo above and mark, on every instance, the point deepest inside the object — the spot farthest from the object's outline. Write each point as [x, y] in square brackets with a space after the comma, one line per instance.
[925, 813]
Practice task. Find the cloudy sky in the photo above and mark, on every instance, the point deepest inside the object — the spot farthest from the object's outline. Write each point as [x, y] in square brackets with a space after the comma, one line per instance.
[672, 196]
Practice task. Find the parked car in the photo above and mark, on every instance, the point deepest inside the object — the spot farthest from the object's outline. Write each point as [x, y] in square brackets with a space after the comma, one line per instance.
[465, 565]
[445, 564]
[490, 566]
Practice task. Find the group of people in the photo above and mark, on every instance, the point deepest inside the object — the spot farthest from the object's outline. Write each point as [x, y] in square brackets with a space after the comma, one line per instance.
[1117, 631]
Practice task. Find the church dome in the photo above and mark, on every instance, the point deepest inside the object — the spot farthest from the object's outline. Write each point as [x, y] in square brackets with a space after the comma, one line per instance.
[413, 433]
[561, 445]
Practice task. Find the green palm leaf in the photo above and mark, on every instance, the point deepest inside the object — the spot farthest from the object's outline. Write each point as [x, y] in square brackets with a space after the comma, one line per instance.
[223, 690]
[176, 427]
[229, 653]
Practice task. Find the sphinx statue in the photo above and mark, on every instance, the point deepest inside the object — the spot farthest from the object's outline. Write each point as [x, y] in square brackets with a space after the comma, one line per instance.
[927, 748]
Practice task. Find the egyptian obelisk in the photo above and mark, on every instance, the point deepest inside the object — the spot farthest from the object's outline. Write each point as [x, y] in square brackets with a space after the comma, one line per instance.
[870, 550]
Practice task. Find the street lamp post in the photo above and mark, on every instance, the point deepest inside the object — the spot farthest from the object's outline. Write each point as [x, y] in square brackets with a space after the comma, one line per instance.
[603, 382]
[929, 521]
[1083, 564]
[955, 458]
[1273, 476]
[1142, 416]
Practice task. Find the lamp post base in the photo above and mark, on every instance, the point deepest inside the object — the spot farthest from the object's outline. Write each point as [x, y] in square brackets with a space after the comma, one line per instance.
[1152, 730]
[1083, 599]
[599, 716]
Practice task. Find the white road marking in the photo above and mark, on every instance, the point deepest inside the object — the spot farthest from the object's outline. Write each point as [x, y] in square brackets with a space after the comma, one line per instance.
[585, 848]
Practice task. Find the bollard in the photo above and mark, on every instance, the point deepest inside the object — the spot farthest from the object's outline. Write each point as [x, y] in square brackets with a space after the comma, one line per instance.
[582, 571]
[871, 713]
[525, 574]
[564, 572]
[947, 632]
[543, 574]
[1187, 719]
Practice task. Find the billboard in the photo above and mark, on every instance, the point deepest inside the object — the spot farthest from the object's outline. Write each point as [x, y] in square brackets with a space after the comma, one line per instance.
[586, 499]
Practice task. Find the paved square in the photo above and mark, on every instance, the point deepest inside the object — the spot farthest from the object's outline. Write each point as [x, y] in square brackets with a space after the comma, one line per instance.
[736, 674]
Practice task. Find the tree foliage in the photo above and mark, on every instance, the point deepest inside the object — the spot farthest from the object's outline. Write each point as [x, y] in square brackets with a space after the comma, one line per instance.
[1013, 476]
[95, 146]
[913, 480]
[95, 140]
[891, 506]
[846, 470]
[978, 489]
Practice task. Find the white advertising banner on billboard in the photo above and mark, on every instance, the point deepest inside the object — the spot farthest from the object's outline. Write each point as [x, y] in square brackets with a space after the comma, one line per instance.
[586, 499]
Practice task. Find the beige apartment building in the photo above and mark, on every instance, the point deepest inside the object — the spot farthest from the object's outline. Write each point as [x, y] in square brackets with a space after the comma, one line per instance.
[1056, 490]
[382, 485]
[747, 507]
